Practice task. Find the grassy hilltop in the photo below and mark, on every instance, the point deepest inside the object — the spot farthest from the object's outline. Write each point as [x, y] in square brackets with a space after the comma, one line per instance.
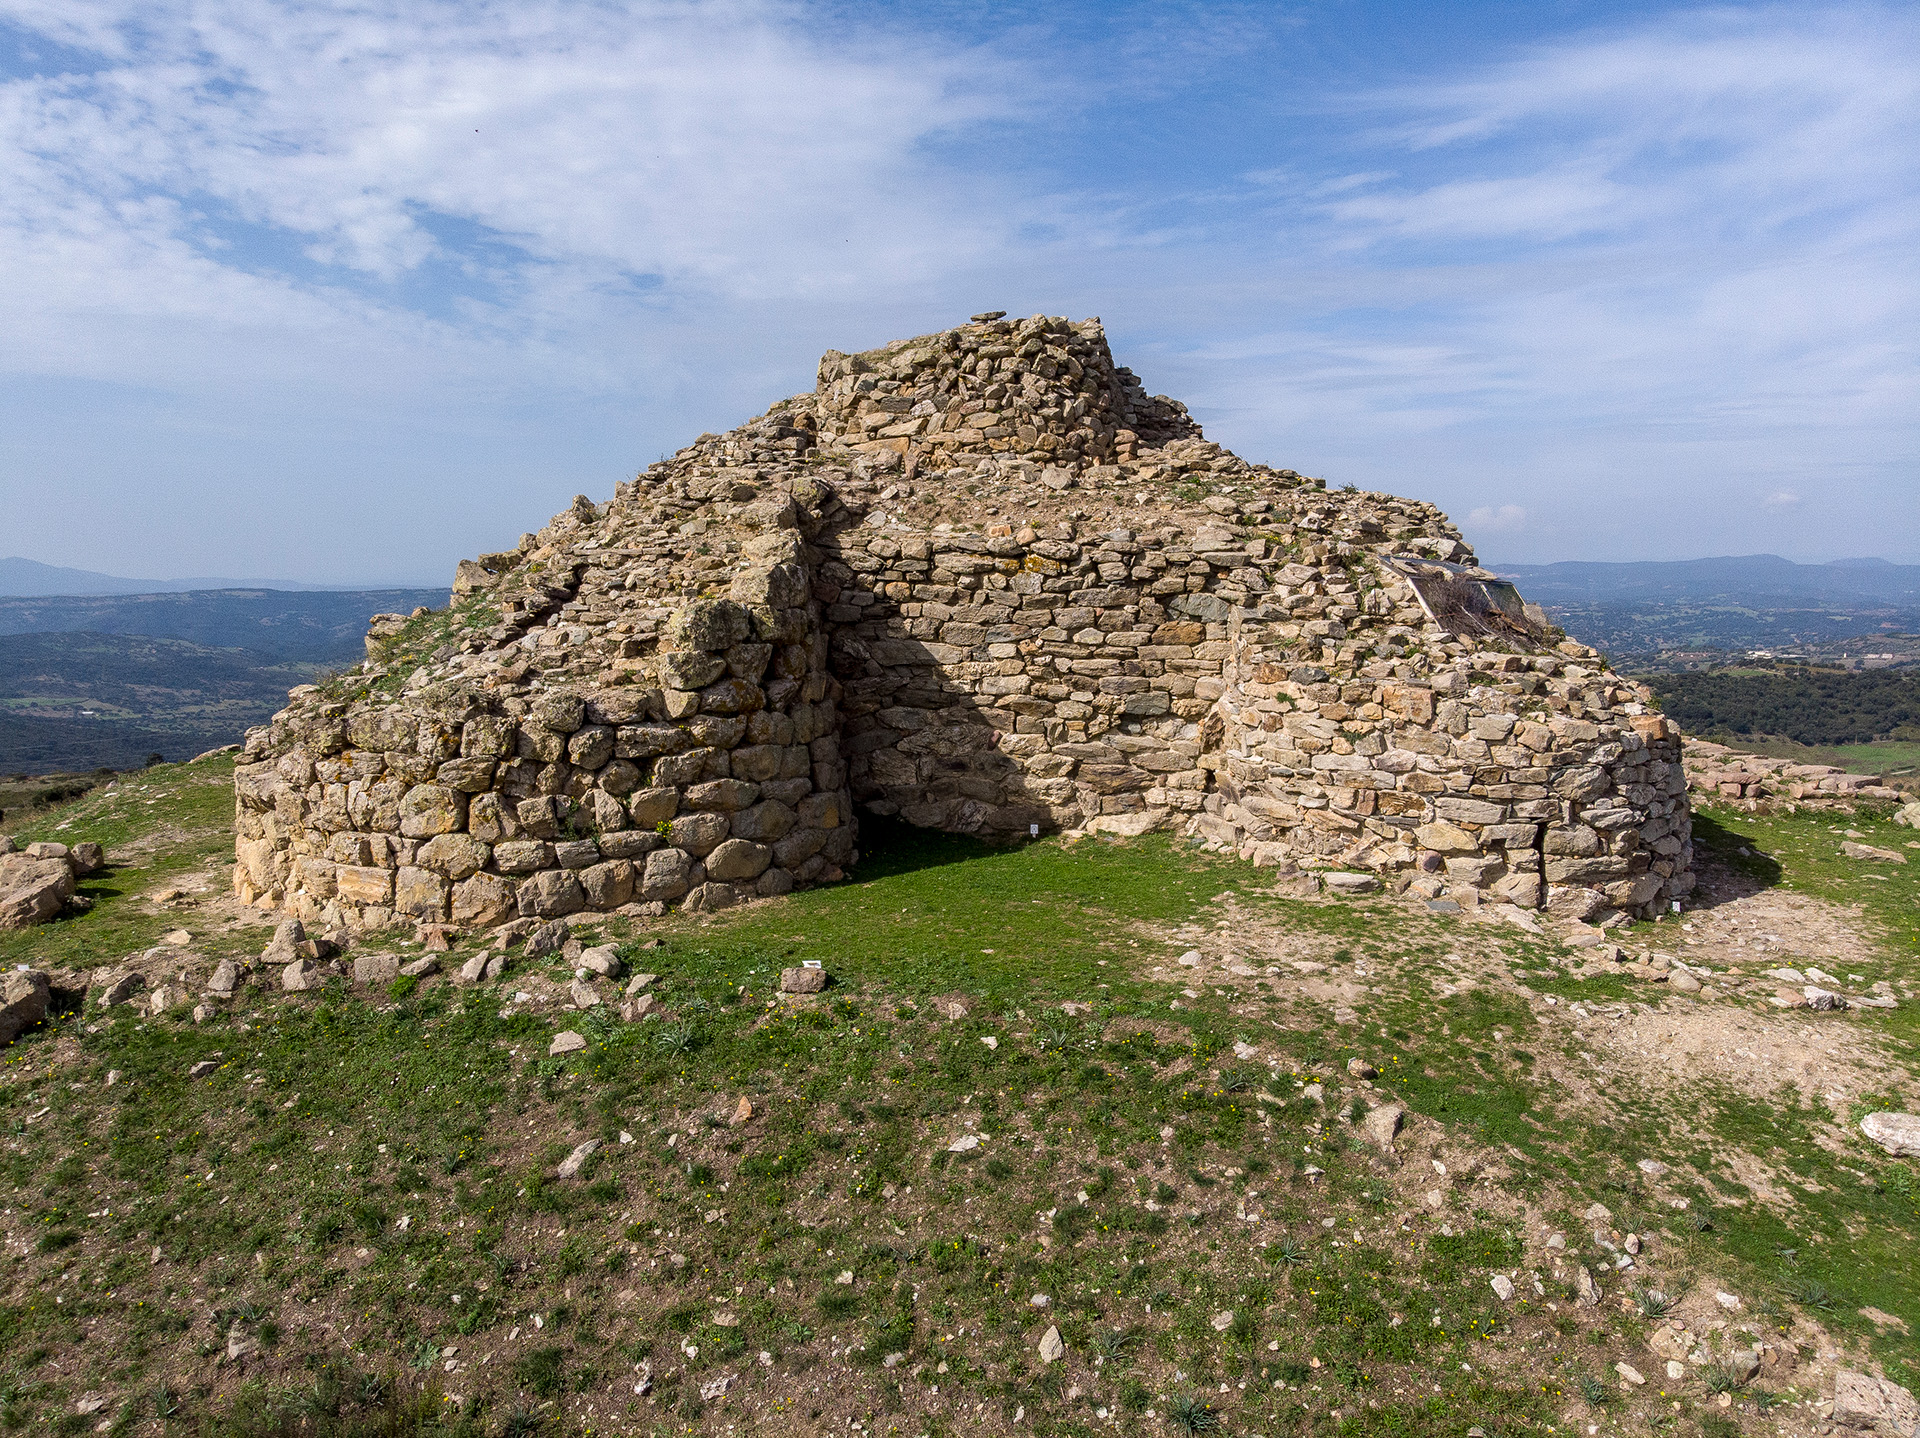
[352, 1221]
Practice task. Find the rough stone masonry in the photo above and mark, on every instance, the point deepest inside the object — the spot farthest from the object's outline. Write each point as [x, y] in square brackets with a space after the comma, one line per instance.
[983, 581]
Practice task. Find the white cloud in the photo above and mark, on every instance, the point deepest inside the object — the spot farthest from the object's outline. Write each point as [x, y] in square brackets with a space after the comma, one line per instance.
[1504, 519]
[1781, 499]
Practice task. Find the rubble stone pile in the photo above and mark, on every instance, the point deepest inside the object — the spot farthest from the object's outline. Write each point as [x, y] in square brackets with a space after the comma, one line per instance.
[1724, 773]
[41, 881]
[983, 581]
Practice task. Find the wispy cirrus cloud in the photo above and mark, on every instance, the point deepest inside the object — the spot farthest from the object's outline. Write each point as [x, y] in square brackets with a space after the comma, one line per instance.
[450, 262]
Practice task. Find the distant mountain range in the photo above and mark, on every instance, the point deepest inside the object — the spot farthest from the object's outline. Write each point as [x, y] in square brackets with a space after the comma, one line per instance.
[1753, 579]
[107, 679]
[28, 578]
[322, 626]
[1641, 611]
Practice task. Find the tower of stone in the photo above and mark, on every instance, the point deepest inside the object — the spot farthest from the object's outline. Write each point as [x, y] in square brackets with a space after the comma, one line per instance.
[983, 581]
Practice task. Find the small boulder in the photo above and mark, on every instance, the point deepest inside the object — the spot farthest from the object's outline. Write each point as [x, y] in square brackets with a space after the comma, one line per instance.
[372, 970]
[302, 976]
[602, 959]
[1503, 1287]
[742, 1112]
[803, 981]
[1862, 1401]
[122, 988]
[582, 994]
[1052, 1346]
[284, 946]
[1347, 883]
[1871, 854]
[566, 1042]
[1897, 1133]
[1383, 1123]
[226, 979]
[87, 858]
[571, 1165]
[1361, 1069]
[634, 1009]
[420, 968]
[24, 998]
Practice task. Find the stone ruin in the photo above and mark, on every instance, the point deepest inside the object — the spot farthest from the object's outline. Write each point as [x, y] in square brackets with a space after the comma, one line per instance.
[982, 581]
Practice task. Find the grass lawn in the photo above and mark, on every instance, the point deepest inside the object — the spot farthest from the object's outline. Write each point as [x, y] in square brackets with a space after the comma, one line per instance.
[1013, 1111]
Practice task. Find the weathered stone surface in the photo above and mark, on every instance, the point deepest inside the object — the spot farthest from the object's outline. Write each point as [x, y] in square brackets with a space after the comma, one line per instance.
[803, 981]
[34, 889]
[933, 585]
[374, 969]
[24, 997]
[738, 859]
[1897, 1133]
[1862, 1401]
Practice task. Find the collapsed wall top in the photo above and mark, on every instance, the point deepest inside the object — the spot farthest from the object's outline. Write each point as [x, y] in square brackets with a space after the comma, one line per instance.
[981, 580]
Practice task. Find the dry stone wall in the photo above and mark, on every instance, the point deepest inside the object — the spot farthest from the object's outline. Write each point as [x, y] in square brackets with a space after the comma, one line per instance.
[983, 581]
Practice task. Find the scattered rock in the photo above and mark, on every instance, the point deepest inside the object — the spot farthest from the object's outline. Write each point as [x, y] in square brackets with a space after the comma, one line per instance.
[1346, 883]
[284, 946]
[1651, 1167]
[716, 1387]
[203, 1068]
[1503, 1287]
[240, 1343]
[474, 970]
[1630, 1374]
[1729, 1301]
[803, 981]
[1872, 855]
[1862, 1401]
[582, 994]
[1823, 1000]
[566, 1042]
[301, 975]
[1222, 1321]
[639, 982]
[1683, 982]
[1897, 1133]
[1383, 1123]
[122, 988]
[635, 1009]
[226, 979]
[1361, 1069]
[571, 1165]
[1586, 1291]
[602, 959]
[89, 1403]
[742, 1112]
[1052, 1347]
[966, 1143]
[34, 889]
[372, 970]
[420, 968]
[549, 938]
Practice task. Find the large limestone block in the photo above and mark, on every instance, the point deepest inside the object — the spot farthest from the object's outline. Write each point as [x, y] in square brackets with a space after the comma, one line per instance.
[608, 885]
[764, 822]
[458, 856]
[667, 875]
[738, 859]
[483, 901]
[698, 833]
[429, 809]
[362, 884]
[421, 893]
[551, 894]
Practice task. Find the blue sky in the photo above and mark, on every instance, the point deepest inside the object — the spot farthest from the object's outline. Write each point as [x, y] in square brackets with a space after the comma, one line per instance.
[343, 292]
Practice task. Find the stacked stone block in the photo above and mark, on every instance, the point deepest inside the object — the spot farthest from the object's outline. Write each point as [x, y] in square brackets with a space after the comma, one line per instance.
[982, 581]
